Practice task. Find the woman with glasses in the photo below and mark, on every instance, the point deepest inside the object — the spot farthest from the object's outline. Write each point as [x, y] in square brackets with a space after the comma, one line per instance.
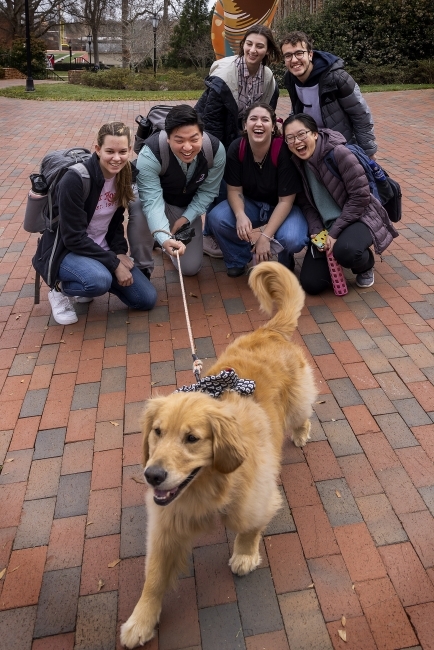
[259, 216]
[344, 207]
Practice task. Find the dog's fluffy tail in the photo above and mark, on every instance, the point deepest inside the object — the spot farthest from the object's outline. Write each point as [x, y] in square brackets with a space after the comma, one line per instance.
[274, 285]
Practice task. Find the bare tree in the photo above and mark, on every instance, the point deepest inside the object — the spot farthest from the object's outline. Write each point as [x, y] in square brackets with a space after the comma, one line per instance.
[92, 13]
[200, 53]
[132, 11]
[43, 15]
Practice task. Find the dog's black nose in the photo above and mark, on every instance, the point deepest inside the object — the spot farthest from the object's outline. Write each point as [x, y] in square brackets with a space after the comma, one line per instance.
[155, 475]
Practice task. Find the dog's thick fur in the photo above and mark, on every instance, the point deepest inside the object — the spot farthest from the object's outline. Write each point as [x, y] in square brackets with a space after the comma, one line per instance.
[235, 440]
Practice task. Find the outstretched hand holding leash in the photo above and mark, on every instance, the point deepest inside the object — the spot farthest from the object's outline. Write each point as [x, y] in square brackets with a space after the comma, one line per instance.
[176, 246]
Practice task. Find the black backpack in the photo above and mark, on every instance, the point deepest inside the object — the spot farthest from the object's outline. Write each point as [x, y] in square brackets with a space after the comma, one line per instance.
[385, 189]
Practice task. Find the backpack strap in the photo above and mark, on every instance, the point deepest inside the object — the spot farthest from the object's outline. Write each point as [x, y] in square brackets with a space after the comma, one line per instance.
[331, 165]
[82, 170]
[163, 146]
[207, 150]
[276, 145]
[242, 150]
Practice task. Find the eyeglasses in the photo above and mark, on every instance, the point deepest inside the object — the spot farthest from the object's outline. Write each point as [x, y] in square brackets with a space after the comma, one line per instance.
[298, 55]
[301, 135]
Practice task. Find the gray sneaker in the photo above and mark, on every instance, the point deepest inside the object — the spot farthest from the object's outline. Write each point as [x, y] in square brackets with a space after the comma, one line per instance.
[365, 279]
[210, 247]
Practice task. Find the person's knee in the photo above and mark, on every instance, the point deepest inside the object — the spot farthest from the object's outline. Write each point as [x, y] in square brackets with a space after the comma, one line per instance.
[190, 268]
[145, 300]
[296, 245]
[218, 215]
[313, 286]
[100, 281]
[294, 231]
[347, 255]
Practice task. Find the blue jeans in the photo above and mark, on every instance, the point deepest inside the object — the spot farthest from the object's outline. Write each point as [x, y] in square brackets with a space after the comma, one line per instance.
[221, 196]
[292, 234]
[84, 276]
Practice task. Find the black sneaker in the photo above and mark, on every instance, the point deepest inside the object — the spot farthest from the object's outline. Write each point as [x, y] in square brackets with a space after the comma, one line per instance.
[147, 272]
[236, 271]
[366, 279]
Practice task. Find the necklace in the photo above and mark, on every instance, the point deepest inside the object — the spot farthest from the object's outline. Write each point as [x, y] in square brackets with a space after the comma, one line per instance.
[261, 163]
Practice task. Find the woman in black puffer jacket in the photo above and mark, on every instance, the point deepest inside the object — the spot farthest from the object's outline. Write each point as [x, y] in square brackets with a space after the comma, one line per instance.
[354, 219]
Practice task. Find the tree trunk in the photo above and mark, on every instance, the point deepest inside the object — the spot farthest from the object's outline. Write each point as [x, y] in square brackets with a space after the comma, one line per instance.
[126, 54]
[165, 11]
[95, 47]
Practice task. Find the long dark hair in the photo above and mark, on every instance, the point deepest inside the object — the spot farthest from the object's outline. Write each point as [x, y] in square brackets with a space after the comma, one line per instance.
[275, 132]
[273, 53]
[124, 191]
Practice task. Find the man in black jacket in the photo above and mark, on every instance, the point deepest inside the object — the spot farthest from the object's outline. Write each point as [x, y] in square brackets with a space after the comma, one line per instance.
[318, 85]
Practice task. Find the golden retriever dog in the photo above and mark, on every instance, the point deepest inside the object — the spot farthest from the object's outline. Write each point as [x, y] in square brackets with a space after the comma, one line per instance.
[205, 456]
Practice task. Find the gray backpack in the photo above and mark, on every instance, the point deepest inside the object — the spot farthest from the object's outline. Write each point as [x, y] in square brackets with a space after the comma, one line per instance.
[39, 208]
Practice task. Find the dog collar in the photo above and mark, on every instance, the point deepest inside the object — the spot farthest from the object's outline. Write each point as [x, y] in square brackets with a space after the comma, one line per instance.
[215, 384]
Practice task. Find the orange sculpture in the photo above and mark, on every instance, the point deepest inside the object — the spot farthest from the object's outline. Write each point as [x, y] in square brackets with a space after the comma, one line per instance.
[231, 20]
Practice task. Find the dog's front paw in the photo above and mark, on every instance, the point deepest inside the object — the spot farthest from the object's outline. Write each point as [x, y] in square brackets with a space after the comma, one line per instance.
[135, 632]
[244, 564]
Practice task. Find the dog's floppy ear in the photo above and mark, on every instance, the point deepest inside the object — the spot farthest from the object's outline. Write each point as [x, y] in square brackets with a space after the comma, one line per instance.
[229, 452]
[148, 416]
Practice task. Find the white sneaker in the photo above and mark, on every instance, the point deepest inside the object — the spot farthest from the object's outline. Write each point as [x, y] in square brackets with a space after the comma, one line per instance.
[82, 299]
[211, 248]
[62, 308]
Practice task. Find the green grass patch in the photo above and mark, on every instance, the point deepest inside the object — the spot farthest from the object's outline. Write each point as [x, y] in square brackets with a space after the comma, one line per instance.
[69, 92]
[378, 88]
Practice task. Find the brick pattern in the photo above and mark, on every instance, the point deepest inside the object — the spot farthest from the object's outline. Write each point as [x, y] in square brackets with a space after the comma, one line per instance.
[355, 535]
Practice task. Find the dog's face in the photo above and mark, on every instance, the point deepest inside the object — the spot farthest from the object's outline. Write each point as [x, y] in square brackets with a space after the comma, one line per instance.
[183, 433]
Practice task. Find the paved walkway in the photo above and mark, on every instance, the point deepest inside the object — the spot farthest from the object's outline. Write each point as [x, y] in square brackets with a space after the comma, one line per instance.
[356, 536]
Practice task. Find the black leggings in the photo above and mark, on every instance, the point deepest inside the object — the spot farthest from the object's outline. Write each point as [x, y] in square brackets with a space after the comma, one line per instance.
[351, 250]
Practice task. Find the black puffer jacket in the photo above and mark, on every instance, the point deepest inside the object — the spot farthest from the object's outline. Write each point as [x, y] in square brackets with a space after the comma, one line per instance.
[342, 105]
[75, 214]
[352, 193]
[218, 105]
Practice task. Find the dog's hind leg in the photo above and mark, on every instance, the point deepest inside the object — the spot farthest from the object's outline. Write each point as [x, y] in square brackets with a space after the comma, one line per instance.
[301, 435]
[245, 557]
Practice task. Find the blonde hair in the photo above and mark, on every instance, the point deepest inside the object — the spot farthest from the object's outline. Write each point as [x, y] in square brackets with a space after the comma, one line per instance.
[124, 180]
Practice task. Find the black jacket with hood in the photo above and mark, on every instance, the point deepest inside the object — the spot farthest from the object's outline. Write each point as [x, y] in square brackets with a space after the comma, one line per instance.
[342, 105]
[69, 233]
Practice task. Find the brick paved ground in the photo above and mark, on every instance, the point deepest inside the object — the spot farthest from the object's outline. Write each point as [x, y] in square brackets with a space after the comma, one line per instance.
[356, 537]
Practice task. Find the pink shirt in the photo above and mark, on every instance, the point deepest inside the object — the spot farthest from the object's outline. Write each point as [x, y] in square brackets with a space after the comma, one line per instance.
[98, 226]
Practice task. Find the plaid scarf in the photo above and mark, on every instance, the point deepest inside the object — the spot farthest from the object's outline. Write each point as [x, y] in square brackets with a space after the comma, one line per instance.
[215, 384]
[250, 88]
